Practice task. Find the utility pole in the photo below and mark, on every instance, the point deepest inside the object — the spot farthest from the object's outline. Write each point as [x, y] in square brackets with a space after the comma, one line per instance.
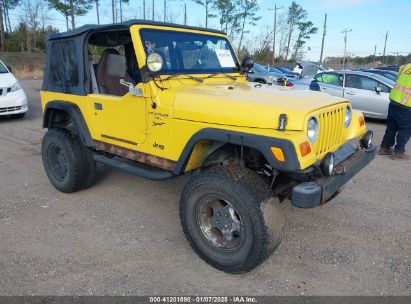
[345, 53]
[396, 57]
[385, 45]
[152, 15]
[345, 32]
[375, 52]
[322, 43]
[274, 28]
[121, 11]
[185, 14]
[98, 15]
[165, 10]
[144, 9]
[112, 9]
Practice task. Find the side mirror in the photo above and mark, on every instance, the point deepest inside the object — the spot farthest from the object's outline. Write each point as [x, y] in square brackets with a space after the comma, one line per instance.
[378, 90]
[154, 62]
[10, 68]
[131, 89]
[247, 64]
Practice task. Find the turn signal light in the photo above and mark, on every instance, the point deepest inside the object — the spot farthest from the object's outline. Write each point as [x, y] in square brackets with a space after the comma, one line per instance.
[278, 153]
[361, 120]
[305, 148]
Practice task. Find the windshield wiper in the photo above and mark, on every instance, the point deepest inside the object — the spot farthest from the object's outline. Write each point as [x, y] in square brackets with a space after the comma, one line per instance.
[188, 75]
[215, 74]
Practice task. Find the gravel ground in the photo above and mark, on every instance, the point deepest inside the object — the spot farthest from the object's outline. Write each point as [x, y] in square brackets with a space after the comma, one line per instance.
[123, 235]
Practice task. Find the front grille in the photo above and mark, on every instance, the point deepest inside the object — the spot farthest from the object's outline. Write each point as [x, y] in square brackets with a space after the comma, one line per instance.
[331, 123]
[10, 109]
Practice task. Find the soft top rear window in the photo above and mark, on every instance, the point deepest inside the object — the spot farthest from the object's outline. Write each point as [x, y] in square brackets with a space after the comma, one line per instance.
[63, 66]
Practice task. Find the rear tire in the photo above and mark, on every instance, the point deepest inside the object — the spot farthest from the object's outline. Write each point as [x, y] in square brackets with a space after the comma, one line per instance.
[69, 166]
[230, 218]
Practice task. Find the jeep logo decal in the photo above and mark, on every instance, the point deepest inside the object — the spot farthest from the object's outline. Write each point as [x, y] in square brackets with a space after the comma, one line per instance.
[158, 146]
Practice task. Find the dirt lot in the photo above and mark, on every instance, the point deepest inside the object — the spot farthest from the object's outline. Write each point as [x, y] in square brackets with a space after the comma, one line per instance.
[123, 235]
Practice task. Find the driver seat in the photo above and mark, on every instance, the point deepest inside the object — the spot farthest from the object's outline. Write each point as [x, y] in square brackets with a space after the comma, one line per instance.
[111, 69]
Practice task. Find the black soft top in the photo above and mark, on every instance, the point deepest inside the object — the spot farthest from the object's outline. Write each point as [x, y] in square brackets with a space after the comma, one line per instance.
[126, 24]
[67, 65]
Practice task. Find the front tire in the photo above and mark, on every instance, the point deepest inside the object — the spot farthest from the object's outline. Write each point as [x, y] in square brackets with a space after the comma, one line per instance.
[230, 218]
[68, 165]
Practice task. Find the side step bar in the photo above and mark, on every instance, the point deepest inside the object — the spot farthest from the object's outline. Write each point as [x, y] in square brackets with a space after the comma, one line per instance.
[140, 170]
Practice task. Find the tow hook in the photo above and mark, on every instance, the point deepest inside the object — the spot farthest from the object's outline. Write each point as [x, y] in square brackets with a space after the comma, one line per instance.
[339, 170]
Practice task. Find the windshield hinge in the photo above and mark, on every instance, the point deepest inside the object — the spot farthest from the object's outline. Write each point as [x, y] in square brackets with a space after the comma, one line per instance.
[283, 122]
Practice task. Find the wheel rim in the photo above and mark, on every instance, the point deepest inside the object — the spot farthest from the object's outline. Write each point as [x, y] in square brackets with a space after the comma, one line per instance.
[57, 162]
[220, 223]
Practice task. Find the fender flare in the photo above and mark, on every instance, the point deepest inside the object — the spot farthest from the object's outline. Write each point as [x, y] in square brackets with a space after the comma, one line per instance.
[73, 111]
[261, 143]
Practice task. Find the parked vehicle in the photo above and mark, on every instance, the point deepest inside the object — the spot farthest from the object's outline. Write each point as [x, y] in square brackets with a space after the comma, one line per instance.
[368, 93]
[302, 83]
[286, 70]
[175, 99]
[278, 78]
[13, 100]
[281, 74]
[395, 68]
[385, 73]
[260, 74]
[307, 68]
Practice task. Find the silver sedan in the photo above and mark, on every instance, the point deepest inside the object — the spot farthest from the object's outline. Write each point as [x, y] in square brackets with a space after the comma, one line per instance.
[368, 93]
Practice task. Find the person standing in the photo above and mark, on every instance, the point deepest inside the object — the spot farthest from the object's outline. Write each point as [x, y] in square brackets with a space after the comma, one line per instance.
[398, 129]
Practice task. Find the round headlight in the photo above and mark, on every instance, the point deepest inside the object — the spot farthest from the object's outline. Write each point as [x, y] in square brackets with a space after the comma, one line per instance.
[312, 129]
[348, 117]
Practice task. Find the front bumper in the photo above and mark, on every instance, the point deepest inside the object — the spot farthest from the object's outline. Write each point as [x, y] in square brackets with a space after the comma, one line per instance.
[313, 193]
[13, 103]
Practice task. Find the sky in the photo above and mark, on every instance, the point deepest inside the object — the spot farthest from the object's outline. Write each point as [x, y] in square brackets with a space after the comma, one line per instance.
[368, 19]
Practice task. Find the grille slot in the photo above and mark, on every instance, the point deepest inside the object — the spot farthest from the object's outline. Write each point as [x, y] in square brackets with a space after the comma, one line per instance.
[331, 125]
[10, 109]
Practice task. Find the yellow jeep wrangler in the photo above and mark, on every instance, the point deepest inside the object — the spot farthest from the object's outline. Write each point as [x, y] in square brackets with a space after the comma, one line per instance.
[160, 100]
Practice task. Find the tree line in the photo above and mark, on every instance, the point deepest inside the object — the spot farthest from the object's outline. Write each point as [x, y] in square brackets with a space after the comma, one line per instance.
[238, 18]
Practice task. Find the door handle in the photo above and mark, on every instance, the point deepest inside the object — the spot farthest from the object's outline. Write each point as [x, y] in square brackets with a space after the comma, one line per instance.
[325, 89]
[350, 93]
[98, 106]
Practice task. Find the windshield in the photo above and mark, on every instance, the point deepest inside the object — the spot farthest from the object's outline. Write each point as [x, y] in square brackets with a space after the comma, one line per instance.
[390, 76]
[275, 70]
[259, 69]
[190, 53]
[3, 69]
[284, 69]
[384, 80]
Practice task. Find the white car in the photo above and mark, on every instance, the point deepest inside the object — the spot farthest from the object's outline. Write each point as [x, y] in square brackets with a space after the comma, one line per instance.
[13, 100]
